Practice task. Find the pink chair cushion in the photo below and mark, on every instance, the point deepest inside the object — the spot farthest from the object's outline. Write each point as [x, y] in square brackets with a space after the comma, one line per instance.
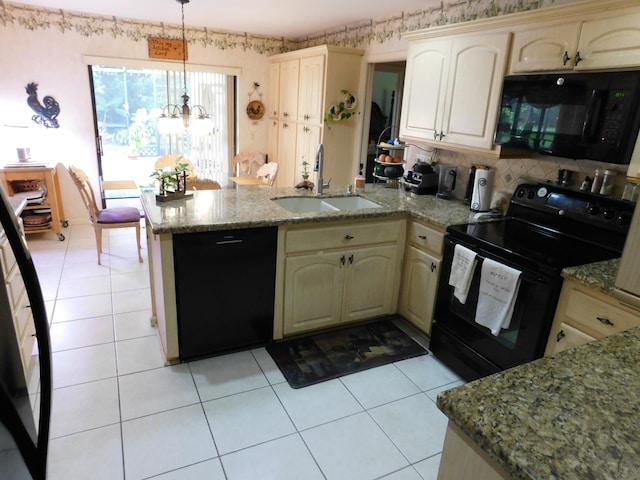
[119, 215]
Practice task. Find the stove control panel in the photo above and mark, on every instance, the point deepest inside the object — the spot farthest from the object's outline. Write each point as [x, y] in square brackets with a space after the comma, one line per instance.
[584, 207]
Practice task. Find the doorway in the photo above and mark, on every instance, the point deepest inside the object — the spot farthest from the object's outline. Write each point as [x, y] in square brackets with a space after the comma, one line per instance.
[386, 105]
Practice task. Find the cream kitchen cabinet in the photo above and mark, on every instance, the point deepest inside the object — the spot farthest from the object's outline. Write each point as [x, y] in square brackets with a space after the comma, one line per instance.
[585, 314]
[610, 40]
[420, 278]
[313, 78]
[452, 90]
[339, 274]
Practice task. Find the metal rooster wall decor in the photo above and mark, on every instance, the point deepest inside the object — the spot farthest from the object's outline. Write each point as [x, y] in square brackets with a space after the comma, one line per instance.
[45, 114]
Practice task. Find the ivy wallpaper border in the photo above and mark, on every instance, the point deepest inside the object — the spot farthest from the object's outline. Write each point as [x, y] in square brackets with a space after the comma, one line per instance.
[359, 36]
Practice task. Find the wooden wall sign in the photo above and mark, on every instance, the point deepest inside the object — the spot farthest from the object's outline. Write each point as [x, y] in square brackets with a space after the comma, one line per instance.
[167, 48]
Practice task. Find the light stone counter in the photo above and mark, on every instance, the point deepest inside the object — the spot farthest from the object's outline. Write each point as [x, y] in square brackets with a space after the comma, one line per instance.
[251, 207]
[570, 416]
[599, 275]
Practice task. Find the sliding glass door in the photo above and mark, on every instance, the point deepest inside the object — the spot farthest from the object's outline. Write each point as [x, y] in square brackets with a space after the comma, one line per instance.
[128, 102]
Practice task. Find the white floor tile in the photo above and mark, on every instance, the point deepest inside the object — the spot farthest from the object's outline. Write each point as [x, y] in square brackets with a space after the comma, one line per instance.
[131, 300]
[247, 419]
[166, 441]
[379, 385]
[226, 375]
[82, 307]
[428, 469]
[94, 454]
[83, 286]
[427, 372]
[414, 425]
[408, 473]
[139, 354]
[85, 406]
[81, 333]
[208, 470]
[317, 404]
[268, 366]
[133, 325]
[286, 458]
[81, 365]
[129, 281]
[85, 269]
[353, 448]
[157, 390]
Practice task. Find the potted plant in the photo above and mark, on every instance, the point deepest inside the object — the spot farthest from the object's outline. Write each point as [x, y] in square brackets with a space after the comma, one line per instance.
[172, 180]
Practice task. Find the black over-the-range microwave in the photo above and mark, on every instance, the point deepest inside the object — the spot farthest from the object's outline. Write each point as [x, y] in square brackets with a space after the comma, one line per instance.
[580, 115]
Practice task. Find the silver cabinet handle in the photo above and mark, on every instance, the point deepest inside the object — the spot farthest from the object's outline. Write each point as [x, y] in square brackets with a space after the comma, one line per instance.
[343, 259]
[560, 335]
[422, 237]
[433, 267]
[348, 237]
[350, 259]
[577, 58]
[565, 58]
[307, 117]
[605, 321]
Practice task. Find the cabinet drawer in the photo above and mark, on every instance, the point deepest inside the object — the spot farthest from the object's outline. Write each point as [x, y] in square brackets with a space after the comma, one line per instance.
[343, 236]
[426, 237]
[15, 285]
[23, 318]
[6, 255]
[598, 316]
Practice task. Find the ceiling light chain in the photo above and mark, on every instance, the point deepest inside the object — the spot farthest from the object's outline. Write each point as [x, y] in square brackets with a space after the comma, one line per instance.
[172, 113]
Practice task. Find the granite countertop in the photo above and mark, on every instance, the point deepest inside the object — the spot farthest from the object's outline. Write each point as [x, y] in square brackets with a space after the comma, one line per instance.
[251, 207]
[573, 415]
[599, 275]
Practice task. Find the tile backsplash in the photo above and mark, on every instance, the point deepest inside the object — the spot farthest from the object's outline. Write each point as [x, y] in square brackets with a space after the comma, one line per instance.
[510, 170]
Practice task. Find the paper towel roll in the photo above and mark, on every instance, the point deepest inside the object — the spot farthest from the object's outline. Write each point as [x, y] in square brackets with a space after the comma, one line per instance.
[482, 190]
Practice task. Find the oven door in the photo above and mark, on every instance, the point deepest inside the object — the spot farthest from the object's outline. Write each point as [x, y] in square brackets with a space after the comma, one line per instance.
[471, 349]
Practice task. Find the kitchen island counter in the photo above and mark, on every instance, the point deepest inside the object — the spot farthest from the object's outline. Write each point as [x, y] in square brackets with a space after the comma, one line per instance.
[599, 275]
[226, 209]
[573, 415]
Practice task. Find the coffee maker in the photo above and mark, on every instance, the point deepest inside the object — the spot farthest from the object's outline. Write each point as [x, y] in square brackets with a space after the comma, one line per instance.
[446, 181]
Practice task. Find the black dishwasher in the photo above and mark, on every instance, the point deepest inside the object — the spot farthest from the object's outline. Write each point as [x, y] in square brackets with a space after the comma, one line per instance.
[225, 288]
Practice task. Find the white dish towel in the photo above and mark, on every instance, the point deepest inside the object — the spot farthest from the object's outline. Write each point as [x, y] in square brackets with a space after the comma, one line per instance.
[462, 267]
[499, 286]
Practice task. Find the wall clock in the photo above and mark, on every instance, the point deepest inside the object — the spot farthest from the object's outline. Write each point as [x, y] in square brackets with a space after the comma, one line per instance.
[255, 110]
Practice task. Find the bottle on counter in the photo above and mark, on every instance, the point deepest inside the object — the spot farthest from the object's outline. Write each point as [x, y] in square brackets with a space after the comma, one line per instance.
[597, 182]
[359, 182]
[607, 182]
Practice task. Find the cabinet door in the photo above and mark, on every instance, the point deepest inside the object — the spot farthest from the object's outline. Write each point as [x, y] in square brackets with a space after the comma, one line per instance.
[313, 291]
[478, 65]
[307, 141]
[425, 88]
[272, 143]
[274, 90]
[286, 157]
[370, 282]
[311, 87]
[610, 42]
[566, 337]
[550, 47]
[419, 286]
[288, 91]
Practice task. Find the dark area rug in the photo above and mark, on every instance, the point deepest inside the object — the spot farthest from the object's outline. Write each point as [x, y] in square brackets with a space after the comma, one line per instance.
[316, 358]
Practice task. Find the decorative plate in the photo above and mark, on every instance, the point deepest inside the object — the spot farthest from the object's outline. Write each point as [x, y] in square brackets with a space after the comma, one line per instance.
[349, 101]
[255, 110]
[335, 112]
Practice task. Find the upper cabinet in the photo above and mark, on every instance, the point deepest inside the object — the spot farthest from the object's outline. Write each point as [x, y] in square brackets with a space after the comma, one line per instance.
[306, 83]
[452, 90]
[603, 42]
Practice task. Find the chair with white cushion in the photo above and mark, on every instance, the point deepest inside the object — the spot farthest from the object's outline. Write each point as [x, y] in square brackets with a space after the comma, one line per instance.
[267, 173]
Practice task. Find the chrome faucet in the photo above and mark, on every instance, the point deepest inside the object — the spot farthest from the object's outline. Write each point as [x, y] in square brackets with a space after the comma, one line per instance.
[320, 185]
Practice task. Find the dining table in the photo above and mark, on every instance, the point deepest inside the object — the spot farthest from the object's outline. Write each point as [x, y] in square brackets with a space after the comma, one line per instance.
[246, 181]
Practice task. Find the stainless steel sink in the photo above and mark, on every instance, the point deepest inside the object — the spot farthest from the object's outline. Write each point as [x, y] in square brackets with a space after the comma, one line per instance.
[326, 204]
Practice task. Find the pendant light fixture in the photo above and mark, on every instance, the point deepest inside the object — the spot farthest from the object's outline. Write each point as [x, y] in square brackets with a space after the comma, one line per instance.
[177, 119]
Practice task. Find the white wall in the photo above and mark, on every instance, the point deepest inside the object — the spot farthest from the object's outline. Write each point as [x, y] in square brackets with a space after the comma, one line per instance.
[54, 60]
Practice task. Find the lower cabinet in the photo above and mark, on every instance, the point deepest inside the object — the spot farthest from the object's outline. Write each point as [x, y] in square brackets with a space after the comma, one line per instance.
[421, 272]
[586, 314]
[354, 276]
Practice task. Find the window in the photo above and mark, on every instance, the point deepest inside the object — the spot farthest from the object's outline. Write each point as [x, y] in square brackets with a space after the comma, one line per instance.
[128, 102]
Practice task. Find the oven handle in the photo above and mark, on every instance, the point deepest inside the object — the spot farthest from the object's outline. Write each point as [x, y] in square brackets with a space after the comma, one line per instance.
[526, 273]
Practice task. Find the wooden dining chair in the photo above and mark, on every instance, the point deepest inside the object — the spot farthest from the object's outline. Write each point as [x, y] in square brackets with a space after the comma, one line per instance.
[115, 217]
[267, 173]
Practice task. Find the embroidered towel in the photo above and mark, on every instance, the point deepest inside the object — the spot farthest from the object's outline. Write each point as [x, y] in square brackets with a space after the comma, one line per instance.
[462, 267]
[499, 286]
